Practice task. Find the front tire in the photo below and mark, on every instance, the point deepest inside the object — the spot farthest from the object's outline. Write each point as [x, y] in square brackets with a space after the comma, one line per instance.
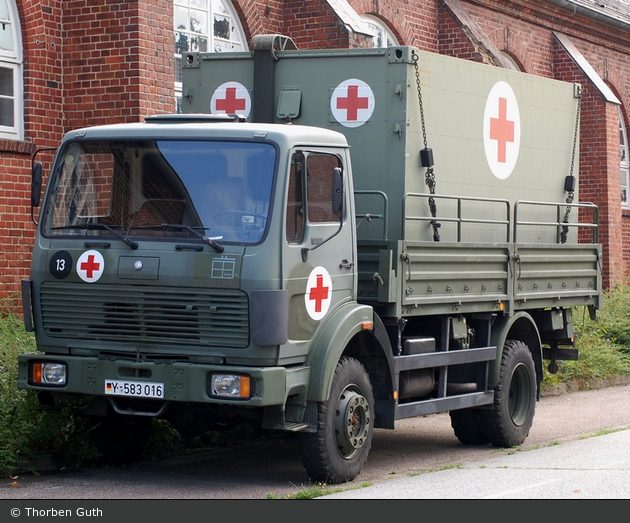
[337, 452]
[120, 439]
[507, 424]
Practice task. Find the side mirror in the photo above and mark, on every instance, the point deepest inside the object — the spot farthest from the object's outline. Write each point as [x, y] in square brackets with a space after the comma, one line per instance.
[36, 184]
[337, 188]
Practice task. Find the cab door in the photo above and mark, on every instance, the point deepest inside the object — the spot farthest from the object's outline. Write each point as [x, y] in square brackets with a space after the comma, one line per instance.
[318, 257]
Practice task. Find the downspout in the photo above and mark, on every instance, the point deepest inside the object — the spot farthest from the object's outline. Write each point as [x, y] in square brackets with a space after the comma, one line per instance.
[590, 12]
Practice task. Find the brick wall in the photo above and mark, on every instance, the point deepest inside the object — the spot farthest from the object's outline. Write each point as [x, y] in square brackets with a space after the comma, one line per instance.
[453, 40]
[43, 126]
[598, 160]
[85, 63]
[88, 62]
[117, 60]
[313, 24]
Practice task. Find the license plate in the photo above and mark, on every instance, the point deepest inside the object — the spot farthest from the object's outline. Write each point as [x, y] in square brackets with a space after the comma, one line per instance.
[138, 389]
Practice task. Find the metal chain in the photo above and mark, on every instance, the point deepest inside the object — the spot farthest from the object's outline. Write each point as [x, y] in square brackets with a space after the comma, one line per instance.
[571, 194]
[430, 175]
[424, 130]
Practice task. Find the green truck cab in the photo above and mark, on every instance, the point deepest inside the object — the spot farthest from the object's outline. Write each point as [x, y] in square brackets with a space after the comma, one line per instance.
[398, 235]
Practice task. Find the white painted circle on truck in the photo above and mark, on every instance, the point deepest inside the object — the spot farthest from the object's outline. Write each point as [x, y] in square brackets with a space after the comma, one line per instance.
[352, 103]
[501, 130]
[231, 98]
[90, 266]
[318, 293]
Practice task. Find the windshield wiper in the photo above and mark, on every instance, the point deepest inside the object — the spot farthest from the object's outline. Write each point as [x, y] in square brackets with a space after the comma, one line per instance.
[209, 241]
[121, 237]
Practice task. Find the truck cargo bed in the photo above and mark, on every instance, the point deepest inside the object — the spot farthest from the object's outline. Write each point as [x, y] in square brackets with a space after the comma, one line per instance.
[409, 277]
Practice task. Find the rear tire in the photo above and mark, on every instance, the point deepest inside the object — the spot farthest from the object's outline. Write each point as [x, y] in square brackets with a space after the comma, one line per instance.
[507, 424]
[337, 452]
[466, 424]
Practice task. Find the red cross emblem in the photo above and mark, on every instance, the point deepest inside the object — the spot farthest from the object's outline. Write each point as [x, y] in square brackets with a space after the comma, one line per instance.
[353, 102]
[231, 98]
[502, 130]
[90, 266]
[231, 104]
[318, 294]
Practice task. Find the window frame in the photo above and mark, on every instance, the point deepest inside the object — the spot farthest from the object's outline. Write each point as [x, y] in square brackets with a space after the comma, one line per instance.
[237, 41]
[624, 164]
[12, 60]
[383, 32]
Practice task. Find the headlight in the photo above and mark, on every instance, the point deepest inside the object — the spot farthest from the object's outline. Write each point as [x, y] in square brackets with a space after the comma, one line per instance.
[47, 373]
[235, 386]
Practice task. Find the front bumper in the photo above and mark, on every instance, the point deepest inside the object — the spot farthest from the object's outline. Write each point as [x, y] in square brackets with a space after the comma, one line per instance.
[183, 382]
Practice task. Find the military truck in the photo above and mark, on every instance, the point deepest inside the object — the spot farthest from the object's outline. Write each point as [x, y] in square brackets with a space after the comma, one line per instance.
[323, 242]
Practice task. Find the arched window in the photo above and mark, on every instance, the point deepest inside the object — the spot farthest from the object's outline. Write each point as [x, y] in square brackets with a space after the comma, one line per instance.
[625, 166]
[509, 61]
[383, 35]
[11, 103]
[203, 26]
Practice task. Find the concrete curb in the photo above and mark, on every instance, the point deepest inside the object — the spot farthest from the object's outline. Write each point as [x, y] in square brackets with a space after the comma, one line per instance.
[576, 386]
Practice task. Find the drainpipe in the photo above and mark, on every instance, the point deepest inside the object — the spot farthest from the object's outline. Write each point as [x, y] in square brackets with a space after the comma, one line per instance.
[595, 12]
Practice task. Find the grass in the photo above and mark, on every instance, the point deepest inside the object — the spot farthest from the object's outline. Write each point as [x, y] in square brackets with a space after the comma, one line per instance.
[27, 432]
[18, 409]
[604, 432]
[319, 490]
[310, 493]
[604, 343]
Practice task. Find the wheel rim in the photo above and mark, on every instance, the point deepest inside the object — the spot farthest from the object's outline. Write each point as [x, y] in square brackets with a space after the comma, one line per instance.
[352, 422]
[520, 394]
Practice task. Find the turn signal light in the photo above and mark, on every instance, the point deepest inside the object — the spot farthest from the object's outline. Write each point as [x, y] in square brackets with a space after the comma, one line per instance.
[235, 386]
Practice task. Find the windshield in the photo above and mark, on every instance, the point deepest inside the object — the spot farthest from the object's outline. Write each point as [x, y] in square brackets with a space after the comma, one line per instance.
[178, 189]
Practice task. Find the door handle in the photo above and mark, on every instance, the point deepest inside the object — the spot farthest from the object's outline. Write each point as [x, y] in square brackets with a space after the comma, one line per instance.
[345, 264]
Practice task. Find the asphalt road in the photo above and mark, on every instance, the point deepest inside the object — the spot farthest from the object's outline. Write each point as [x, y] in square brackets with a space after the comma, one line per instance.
[419, 448]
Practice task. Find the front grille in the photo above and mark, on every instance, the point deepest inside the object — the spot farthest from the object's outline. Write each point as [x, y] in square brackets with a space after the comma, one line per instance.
[146, 315]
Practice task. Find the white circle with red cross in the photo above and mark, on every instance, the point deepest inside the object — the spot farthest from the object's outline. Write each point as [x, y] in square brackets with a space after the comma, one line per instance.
[90, 266]
[231, 98]
[352, 103]
[318, 293]
[501, 130]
